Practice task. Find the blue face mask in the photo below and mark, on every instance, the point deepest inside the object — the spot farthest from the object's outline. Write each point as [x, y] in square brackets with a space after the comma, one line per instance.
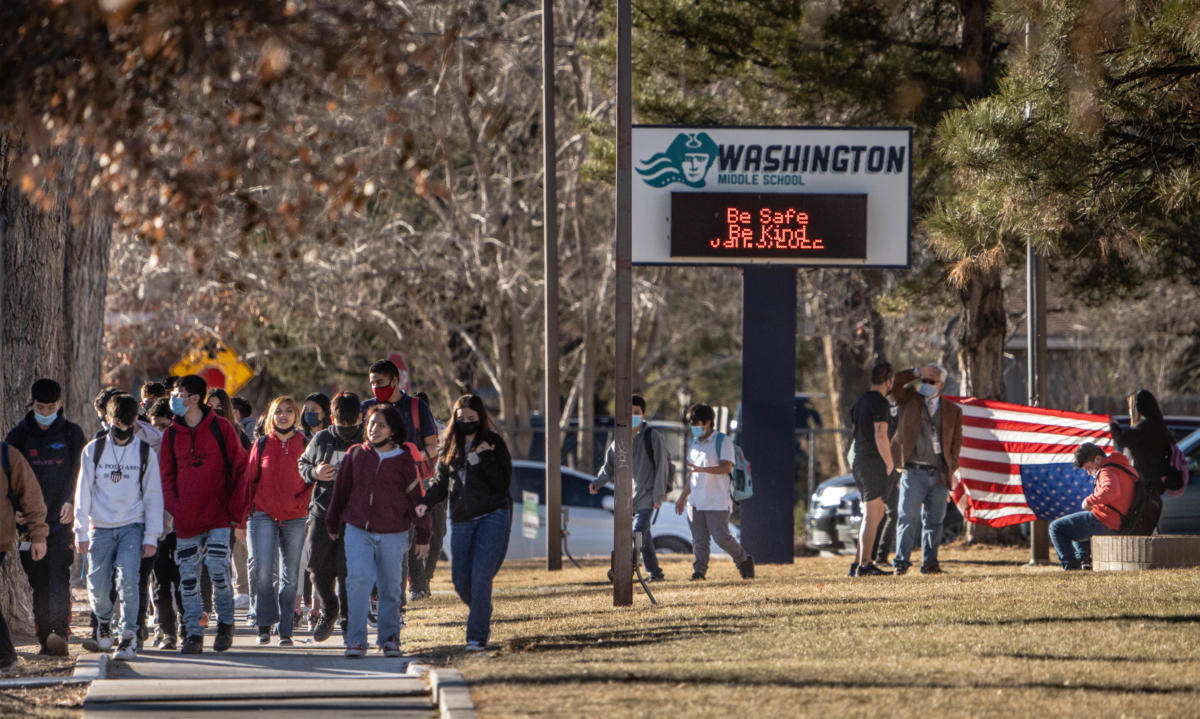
[177, 407]
[927, 391]
[45, 419]
[312, 419]
[637, 421]
[696, 432]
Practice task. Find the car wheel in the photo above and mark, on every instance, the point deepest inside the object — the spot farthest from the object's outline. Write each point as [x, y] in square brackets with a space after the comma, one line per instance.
[672, 545]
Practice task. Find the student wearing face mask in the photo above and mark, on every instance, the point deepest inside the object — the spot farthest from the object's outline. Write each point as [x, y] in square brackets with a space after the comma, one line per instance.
[375, 503]
[474, 469]
[51, 445]
[707, 494]
[926, 447]
[118, 521]
[315, 416]
[319, 466]
[1103, 509]
[651, 481]
[278, 501]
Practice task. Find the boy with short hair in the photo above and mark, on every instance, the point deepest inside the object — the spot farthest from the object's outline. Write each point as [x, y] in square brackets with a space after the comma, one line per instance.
[118, 519]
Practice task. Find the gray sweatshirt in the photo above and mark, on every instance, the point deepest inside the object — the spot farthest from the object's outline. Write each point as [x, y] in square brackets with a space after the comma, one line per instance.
[651, 480]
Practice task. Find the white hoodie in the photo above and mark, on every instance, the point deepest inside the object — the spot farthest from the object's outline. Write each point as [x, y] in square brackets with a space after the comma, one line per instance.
[108, 495]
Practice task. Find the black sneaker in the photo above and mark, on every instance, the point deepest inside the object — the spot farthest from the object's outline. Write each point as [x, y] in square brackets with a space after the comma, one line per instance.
[853, 570]
[168, 643]
[193, 644]
[697, 577]
[746, 568]
[324, 628]
[931, 569]
[901, 568]
[224, 638]
[870, 570]
[883, 562]
[264, 636]
[657, 578]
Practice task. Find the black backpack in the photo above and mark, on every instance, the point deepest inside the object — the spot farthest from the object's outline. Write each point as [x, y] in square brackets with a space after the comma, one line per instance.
[1132, 519]
[654, 462]
[144, 456]
[216, 433]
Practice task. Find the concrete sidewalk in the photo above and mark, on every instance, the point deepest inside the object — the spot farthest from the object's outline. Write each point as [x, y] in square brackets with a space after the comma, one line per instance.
[308, 679]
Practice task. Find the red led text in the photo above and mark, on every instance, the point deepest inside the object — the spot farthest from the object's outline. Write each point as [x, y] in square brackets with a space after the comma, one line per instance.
[766, 229]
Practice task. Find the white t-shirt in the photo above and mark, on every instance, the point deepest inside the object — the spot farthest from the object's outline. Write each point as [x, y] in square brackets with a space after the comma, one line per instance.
[710, 492]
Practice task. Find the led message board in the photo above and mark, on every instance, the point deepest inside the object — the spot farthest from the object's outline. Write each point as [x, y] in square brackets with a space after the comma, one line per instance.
[737, 227]
[847, 190]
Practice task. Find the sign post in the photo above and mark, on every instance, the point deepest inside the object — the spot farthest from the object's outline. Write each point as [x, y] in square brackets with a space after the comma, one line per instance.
[767, 200]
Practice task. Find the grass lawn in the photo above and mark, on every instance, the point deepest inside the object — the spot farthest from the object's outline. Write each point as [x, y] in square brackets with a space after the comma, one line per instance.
[991, 637]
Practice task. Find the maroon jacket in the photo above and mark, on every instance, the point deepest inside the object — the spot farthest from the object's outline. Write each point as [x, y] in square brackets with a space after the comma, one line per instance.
[201, 489]
[377, 496]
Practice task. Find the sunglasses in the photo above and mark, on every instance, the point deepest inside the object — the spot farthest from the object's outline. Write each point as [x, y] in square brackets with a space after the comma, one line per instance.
[929, 381]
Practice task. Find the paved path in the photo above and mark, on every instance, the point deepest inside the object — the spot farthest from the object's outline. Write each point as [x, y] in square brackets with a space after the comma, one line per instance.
[305, 680]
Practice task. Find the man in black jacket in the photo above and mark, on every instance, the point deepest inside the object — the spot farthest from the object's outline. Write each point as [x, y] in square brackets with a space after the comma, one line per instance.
[52, 446]
[318, 466]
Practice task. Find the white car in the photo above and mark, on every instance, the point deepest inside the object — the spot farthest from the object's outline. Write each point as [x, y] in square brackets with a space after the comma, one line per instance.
[588, 519]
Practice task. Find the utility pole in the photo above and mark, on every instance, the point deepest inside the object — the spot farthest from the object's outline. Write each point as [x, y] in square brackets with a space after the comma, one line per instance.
[623, 512]
[550, 393]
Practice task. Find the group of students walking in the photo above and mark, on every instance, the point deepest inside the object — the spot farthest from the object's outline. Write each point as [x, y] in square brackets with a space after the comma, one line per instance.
[171, 485]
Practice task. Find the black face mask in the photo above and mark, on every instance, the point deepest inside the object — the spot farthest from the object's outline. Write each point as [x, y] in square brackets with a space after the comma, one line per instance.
[468, 427]
[378, 446]
[346, 434]
[122, 435]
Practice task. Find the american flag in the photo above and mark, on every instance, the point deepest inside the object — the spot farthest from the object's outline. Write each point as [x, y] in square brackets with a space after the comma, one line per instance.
[1017, 461]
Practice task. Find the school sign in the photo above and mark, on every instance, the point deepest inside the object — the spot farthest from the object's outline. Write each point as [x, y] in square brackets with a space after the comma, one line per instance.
[774, 195]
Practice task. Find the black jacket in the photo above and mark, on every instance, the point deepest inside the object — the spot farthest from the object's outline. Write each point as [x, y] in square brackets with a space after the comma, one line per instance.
[486, 484]
[326, 447]
[1148, 447]
[53, 454]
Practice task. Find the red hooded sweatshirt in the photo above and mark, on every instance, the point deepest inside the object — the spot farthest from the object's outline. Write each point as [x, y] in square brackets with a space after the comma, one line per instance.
[273, 479]
[197, 490]
[1114, 491]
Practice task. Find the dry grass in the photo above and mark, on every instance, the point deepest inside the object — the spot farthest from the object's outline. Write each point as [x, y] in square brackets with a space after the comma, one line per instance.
[990, 638]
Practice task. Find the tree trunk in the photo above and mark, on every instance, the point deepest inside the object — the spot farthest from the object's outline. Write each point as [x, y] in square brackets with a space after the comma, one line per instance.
[849, 357]
[55, 272]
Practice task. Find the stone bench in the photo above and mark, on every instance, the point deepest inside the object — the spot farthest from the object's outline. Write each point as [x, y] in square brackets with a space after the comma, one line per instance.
[1161, 551]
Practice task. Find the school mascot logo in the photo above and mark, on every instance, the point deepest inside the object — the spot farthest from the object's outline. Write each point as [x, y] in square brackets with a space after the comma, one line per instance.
[687, 160]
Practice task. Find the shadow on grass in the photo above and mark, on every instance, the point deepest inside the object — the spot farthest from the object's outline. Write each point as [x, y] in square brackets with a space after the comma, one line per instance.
[608, 639]
[786, 683]
[1163, 618]
[1078, 658]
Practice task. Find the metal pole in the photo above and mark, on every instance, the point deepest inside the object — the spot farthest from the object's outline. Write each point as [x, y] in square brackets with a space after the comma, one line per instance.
[551, 410]
[623, 434]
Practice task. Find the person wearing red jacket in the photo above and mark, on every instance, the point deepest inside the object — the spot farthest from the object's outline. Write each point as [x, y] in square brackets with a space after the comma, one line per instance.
[1102, 509]
[278, 504]
[203, 464]
[375, 500]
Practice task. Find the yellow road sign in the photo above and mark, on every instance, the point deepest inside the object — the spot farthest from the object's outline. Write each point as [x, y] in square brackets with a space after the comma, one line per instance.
[217, 364]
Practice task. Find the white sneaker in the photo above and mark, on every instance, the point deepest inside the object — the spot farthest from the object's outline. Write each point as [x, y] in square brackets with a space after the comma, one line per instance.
[475, 647]
[241, 601]
[127, 650]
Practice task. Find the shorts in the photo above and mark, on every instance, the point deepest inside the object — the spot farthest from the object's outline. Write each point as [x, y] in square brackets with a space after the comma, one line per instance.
[871, 478]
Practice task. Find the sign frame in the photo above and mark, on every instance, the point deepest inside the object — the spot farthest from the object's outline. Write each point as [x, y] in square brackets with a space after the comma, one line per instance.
[660, 153]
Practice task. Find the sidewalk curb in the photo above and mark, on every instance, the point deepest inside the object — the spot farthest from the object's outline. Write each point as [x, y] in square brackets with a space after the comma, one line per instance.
[451, 694]
[87, 670]
[90, 668]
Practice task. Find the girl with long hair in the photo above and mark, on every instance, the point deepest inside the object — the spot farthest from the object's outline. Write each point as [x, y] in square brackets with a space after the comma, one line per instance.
[278, 504]
[1147, 444]
[374, 504]
[474, 469]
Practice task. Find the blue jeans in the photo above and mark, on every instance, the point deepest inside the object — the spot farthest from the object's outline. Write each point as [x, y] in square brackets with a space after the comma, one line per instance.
[641, 525]
[922, 505]
[373, 560]
[478, 547]
[276, 543]
[213, 547]
[1072, 538]
[119, 547]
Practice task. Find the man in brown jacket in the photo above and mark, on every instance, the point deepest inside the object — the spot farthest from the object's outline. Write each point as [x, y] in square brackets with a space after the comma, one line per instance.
[18, 483]
[925, 448]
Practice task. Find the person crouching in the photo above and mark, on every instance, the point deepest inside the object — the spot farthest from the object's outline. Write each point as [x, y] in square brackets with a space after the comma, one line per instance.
[374, 503]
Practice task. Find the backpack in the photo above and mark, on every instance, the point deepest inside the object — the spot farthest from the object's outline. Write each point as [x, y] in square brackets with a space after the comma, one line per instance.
[654, 462]
[425, 469]
[1132, 519]
[742, 485]
[216, 432]
[1177, 471]
[144, 456]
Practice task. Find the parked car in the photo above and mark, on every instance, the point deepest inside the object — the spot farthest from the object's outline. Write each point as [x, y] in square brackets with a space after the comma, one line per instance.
[589, 517]
[1179, 425]
[835, 516]
[1181, 515]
